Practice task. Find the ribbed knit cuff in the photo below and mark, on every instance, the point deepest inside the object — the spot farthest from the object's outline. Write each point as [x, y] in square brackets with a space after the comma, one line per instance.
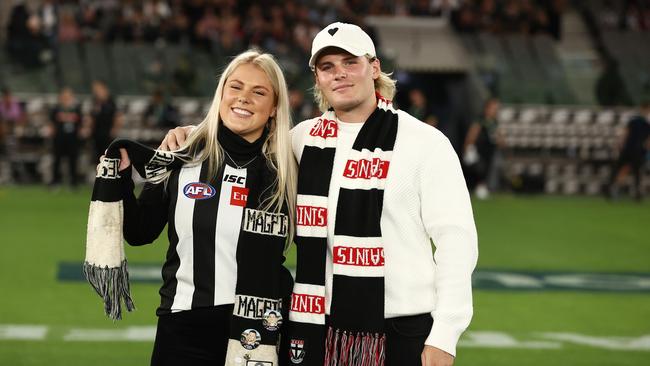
[444, 337]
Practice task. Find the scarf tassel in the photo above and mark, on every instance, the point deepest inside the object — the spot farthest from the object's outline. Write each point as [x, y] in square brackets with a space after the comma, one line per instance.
[343, 348]
[112, 285]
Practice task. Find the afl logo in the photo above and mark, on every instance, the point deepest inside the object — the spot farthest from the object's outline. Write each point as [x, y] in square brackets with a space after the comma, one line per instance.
[198, 191]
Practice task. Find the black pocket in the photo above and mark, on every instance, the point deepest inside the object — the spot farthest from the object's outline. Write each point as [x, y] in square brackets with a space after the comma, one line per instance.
[411, 326]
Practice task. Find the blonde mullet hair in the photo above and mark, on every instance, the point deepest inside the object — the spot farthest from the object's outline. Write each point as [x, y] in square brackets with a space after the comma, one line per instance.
[384, 84]
[202, 143]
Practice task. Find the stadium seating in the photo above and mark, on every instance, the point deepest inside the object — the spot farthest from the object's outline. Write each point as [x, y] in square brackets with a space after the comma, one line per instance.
[571, 148]
[633, 54]
[98, 63]
[72, 67]
[126, 77]
[527, 69]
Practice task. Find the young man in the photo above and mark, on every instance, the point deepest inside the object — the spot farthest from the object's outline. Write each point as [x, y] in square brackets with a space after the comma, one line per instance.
[65, 126]
[633, 148]
[376, 186]
[105, 118]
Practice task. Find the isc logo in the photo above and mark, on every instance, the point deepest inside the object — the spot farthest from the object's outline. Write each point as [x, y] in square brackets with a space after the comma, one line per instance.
[198, 191]
[231, 178]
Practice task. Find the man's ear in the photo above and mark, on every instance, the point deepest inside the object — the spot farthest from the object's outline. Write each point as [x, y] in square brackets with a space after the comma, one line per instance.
[376, 68]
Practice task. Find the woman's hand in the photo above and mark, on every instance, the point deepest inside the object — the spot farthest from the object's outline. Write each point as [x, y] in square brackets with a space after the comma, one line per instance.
[125, 162]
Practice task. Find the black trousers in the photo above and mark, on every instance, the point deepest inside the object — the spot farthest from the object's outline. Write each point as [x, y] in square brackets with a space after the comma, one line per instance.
[405, 338]
[194, 337]
[65, 148]
[635, 158]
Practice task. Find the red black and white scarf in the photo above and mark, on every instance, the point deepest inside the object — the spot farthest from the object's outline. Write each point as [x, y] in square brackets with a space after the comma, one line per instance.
[354, 332]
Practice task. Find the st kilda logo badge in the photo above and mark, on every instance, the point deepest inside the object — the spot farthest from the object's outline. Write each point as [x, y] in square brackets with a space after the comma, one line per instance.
[250, 339]
[297, 350]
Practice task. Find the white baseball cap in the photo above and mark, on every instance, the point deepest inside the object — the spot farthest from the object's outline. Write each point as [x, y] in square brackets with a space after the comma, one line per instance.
[349, 37]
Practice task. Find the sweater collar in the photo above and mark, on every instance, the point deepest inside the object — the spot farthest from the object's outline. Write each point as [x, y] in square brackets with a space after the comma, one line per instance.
[237, 146]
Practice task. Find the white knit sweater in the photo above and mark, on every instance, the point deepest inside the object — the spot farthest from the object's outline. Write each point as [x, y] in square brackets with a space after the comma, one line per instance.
[425, 199]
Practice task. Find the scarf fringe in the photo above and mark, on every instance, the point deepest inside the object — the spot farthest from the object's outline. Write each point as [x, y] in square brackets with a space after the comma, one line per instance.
[112, 285]
[344, 348]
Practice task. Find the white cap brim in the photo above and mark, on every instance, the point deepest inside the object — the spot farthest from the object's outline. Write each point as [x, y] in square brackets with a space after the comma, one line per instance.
[352, 50]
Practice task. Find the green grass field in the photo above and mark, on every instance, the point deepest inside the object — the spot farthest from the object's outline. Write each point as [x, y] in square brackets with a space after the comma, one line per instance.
[40, 229]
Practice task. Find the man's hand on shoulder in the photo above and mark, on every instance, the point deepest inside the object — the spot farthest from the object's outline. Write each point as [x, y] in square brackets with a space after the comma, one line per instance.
[432, 356]
[175, 138]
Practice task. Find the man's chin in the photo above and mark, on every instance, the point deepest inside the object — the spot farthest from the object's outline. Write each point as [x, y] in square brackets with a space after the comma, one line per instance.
[344, 106]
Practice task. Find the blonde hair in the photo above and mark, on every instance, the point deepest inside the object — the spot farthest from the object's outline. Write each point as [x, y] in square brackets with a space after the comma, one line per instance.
[384, 85]
[202, 143]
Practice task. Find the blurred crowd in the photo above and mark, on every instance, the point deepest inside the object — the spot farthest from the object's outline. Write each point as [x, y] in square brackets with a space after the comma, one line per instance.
[623, 14]
[222, 28]
[510, 16]
[229, 26]
[225, 26]
[221, 25]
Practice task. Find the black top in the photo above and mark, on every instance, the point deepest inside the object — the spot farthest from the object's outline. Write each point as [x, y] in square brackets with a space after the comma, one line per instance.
[103, 114]
[638, 131]
[486, 141]
[67, 121]
[205, 206]
[146, 217]
[239, 148]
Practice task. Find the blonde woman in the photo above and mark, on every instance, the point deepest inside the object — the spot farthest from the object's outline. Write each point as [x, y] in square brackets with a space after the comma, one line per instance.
[229, 212]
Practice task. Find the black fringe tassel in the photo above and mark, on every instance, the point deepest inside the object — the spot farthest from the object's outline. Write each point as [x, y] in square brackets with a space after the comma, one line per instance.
[112, 285]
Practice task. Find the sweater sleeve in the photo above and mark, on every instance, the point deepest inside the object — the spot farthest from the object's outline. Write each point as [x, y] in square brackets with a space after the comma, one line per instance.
[297, 134]
[448, 219]
[145, 217]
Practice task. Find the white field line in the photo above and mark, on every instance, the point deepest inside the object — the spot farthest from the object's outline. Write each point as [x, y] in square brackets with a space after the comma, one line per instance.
[23, 332]
[133, 334]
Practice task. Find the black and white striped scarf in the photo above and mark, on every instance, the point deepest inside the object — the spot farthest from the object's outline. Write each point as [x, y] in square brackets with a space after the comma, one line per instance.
[257, 314]
[354, 333]
[105, 265]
